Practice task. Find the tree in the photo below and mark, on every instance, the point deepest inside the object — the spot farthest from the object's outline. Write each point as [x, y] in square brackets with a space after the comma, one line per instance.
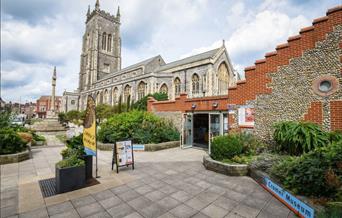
[120, 104]
[104, 111]
[142, 103]
[128, 103]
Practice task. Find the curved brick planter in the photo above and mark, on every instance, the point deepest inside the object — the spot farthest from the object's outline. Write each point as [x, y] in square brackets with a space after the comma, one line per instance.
[148, 147]
[224, 168]
[14, 158]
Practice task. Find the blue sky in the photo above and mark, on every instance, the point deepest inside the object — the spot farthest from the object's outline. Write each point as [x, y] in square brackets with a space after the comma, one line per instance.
[39, 34]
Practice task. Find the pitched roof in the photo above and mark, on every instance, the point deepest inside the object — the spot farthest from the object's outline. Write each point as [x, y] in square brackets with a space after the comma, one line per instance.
[142, 63]
[191, 59]
[131, 67]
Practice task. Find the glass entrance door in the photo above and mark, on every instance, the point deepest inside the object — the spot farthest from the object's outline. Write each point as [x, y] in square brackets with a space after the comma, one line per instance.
[187, 130]
[214, 127]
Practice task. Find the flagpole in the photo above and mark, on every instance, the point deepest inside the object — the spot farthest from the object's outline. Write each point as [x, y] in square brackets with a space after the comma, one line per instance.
[96, 175]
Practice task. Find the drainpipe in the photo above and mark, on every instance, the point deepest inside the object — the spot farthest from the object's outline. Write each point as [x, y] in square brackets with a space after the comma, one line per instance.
[185, 81]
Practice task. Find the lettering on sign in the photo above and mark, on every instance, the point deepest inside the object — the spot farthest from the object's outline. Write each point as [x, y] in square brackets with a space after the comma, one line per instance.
[291, 201]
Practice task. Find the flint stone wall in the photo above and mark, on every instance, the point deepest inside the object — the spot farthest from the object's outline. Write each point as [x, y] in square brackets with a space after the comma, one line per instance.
[174, 116]
[292, 92]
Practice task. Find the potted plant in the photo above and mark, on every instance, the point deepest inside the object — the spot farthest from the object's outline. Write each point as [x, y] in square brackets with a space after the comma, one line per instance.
[70, 174]
[75, 146]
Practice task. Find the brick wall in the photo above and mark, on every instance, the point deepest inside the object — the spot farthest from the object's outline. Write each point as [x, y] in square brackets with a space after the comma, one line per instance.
[336, 115]
[315, 113]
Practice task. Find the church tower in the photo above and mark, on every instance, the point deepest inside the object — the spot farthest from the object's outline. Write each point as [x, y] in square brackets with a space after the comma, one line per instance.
[101, 50]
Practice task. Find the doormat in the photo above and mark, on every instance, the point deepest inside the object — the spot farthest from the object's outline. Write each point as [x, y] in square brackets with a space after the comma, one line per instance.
[48, 186]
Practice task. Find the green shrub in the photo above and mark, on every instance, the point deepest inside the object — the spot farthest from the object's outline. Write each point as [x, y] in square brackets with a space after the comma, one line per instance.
[71, 161]
[76, 145]
[140, 126]
[251, 145]
[332, 210]
[142, 103]
[243, 159]
[74, 116]
[62, 117]
[5, 119]
[104, 111]
[265, 161]
[296, 138]
[317, 173]
[335, 136]
[39, 137]
[10, 142]
[280, 170]
[226, 146]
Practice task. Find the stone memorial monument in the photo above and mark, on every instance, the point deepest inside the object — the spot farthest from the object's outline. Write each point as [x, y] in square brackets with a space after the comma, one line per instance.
[50, 124]
[51, 114]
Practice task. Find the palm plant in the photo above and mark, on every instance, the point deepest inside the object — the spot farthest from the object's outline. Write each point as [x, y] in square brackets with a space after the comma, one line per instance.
[299, 137]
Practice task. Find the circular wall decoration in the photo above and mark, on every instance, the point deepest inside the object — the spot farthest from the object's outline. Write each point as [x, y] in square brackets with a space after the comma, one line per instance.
[325, 85]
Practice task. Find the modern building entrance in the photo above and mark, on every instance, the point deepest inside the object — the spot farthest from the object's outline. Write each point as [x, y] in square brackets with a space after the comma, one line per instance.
[199, 128]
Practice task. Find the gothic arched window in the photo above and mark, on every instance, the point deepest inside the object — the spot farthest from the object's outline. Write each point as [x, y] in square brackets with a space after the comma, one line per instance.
[195, 84]
[106, 97]
[104, 41]
[164, 89]
[98, 98]
[141, 90]
[223, 79]
[109, 45]
[127, 93]
[115, 96]
[177, 84]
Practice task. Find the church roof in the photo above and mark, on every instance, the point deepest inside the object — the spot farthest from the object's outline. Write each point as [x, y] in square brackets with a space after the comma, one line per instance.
[191, 59]
[143, 63]
[140, 64]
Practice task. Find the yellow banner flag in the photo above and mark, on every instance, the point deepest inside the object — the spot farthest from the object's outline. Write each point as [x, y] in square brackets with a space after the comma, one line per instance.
[89, 131]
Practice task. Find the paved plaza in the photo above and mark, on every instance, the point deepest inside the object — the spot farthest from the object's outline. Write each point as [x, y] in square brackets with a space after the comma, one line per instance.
[169, 183]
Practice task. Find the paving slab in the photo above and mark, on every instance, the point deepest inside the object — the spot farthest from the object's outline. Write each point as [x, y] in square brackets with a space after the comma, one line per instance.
[120, 210]
[79, 202]
[59, 208]
[67, 214]
[183, 211]
[213, 211]
[154, 210]
[168, 203]
[110, 202]
[89, 209]
[169, 183]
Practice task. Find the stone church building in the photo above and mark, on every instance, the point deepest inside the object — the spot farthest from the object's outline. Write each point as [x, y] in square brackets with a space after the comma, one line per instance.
[101, 76]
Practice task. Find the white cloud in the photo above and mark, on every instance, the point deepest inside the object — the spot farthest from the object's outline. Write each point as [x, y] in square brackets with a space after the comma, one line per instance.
[32, 43]
[264, 32]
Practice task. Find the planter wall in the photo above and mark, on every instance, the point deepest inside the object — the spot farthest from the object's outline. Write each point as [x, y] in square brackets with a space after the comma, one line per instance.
[88, 159]
[14, 158]
[69, 179]
[224, 168]
[148, 147]
[161, 146]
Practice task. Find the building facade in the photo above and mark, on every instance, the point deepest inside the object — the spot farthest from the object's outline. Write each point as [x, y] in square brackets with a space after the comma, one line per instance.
[301, 81]
[101, 76]
[44, 104]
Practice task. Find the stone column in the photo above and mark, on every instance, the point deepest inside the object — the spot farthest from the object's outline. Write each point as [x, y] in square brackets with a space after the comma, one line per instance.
[54, 78]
